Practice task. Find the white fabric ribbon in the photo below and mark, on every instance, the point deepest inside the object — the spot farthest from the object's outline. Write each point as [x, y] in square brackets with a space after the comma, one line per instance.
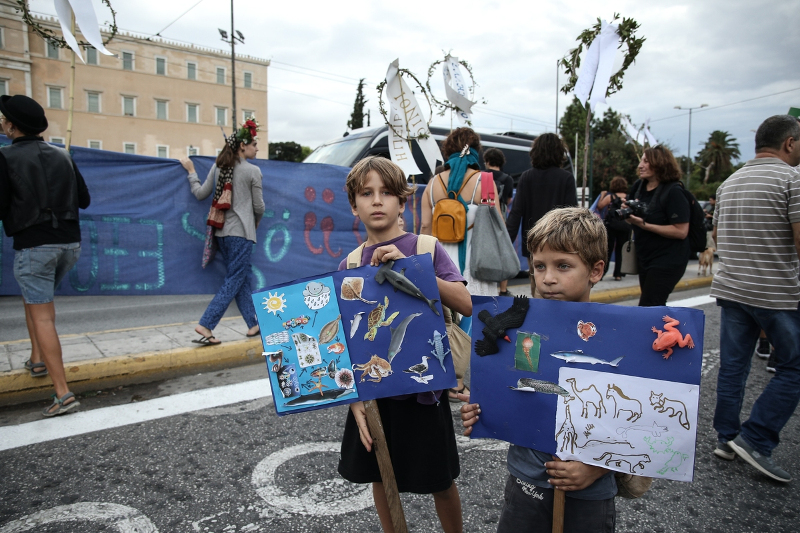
[597, 66]
[650, 139]
[630, 130]
[456, 89]
[85, 19]
[406, 115]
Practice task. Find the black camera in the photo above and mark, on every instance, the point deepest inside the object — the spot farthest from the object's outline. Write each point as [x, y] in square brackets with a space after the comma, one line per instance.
[635, 207]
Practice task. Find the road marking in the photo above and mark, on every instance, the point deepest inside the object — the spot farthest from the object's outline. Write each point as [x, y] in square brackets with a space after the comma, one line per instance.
[120, 518]
[132, 413]
[696, 301]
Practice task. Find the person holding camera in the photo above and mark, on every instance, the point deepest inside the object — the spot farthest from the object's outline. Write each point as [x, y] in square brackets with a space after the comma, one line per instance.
[617, 229]
[659, 213]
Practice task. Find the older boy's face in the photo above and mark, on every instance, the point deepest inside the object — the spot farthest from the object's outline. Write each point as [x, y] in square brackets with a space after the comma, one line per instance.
[377, 208]
[563, 276]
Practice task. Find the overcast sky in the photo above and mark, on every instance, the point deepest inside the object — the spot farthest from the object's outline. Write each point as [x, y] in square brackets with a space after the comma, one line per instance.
[711, 52]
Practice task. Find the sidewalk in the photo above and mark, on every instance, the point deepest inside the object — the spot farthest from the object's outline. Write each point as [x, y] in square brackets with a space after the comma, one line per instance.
[105, 359]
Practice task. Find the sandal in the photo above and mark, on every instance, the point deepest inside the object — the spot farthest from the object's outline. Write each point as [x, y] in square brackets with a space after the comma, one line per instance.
[506, 293]
[206, 341]
[452, 392]
[256, 334]
[60, 406]
[30, 366]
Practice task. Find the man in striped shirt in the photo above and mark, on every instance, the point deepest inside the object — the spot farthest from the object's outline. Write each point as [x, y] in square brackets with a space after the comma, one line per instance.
[757, 230]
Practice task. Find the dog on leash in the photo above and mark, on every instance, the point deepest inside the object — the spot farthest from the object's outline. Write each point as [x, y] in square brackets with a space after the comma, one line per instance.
[706, 261]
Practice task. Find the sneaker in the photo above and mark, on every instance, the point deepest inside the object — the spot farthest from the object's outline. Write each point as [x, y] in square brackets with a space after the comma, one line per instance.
[771, 362]
[762, 350]
[723, 451]
[763, 464]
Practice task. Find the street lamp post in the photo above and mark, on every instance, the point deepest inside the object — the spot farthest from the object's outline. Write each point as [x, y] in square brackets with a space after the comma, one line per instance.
[235, 36]
[689, 150]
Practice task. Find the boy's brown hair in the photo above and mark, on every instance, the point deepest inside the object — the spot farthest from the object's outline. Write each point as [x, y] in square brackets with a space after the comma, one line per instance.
[571, 230]
[393, 178]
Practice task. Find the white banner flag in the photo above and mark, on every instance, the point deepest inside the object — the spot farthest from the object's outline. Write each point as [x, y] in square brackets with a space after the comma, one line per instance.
[607, 50]
[650, 139]
[405, 114]
[630, 130]
[456, 89]
[85, 19]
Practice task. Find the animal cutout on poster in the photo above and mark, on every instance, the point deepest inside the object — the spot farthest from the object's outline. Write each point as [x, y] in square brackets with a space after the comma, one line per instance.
[496, 325]
[526, 356]
[577, 356]
[537, 385]
[327, 344]
[586, 330]
[668, 338]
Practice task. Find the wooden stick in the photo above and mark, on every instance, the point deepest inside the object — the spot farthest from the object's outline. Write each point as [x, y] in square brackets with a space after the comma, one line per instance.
[385, 465]
[558, 511]
[71, 90]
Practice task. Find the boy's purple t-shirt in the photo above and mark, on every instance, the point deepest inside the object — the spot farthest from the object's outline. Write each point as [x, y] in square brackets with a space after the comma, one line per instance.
[442, 265]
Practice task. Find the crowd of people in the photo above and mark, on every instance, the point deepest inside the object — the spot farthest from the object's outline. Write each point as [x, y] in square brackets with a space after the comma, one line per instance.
[755, 221]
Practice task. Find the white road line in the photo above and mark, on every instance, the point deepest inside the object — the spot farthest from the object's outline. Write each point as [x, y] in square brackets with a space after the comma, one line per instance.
[122, 415]
[697, 301]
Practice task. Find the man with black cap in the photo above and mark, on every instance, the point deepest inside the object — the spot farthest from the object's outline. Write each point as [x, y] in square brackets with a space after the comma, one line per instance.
[41, 190]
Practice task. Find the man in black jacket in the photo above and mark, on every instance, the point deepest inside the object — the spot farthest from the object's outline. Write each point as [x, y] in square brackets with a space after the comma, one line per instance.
[41, 191]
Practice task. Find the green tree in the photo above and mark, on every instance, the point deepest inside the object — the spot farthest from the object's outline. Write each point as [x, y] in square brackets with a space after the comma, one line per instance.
[357, 116]
[286, 151]
[717, 155]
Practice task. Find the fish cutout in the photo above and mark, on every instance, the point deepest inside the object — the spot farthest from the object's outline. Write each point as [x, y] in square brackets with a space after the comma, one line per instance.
[398, 334]
[355, 323]
[438, 348]
[586, 330]
[537, 385]
[399, 281]
[332, 369]
[336, 348]
[329, 331]
[351, 290]
[577, 356]
[317, 397]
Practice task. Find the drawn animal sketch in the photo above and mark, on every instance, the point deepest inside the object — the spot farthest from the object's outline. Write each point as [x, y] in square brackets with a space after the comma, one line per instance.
[588, 396]
[595, 442]
[663, 404]
[624, 403]
[664, 447]
[569, 436]
[632, 462]
[654, 430]
[376, 368]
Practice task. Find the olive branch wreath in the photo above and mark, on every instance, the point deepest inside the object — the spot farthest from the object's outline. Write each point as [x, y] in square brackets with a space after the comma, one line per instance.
[382, 85]
[49, 35]
[444, 106]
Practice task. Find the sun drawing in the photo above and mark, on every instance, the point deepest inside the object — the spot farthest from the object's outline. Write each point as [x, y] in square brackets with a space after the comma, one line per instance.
[275, 304]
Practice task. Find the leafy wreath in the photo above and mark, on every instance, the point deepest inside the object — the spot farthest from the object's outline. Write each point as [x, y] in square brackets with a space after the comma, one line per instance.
[49, 35]
[444, 106]
[627, 33]
[382, 109]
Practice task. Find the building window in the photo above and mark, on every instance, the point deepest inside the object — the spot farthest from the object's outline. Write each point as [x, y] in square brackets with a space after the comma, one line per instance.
[162, 150]
[54, 99]
[129, 148]
[222, 116]
[192, 150]
[161, 109]
[248, 80]
[129, 106]
[127, 60]
[93, 102]
[52, 49]
[97, 145]
[161, 66]
[247, 115]
[91, 56]
[191, 113]
[191, 71]
[221, 75]
[3, 87]
[56, 140]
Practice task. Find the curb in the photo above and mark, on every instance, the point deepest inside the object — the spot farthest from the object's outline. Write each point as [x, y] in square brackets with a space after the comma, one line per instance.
[627, 293]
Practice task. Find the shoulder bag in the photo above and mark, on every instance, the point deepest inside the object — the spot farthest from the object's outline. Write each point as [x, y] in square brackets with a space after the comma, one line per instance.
[492, 254]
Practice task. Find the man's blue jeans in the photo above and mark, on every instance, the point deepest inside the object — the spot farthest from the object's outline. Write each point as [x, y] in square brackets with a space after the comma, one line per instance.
[739, 330]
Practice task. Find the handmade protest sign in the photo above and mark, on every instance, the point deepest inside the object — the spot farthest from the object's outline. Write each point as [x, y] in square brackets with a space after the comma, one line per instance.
[614, 386]
[355, 335]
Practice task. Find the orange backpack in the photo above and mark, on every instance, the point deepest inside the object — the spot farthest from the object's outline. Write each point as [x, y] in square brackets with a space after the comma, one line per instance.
[449, 222]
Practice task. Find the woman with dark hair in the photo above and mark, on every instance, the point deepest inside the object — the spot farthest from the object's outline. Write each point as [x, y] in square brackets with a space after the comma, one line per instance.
[662, 249]
[541, 188]
[461, 150]
[232, 221]
[617, 229]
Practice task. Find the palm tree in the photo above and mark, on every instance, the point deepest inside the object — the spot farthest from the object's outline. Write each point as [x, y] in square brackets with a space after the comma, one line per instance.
[717, 154]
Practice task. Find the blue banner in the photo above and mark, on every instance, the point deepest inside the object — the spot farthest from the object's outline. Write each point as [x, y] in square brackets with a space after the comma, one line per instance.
[143, 232]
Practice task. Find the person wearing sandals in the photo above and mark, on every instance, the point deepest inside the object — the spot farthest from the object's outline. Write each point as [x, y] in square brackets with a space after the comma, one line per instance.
[41, 191]
[236, 210]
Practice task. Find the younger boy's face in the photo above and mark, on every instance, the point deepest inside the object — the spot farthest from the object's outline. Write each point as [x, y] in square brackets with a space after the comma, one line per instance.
[563, 276]
[376, 206]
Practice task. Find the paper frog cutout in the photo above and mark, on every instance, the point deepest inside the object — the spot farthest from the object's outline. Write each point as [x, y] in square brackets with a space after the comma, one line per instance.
[670, 337]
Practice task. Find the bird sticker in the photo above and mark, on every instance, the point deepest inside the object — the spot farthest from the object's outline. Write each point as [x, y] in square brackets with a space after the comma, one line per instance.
[419, 369]
[496, 326]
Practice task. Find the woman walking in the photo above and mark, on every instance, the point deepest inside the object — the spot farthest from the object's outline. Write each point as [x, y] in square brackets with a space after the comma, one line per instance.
[232, 221]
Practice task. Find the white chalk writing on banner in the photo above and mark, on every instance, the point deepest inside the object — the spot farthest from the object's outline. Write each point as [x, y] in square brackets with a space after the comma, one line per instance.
[456, 89]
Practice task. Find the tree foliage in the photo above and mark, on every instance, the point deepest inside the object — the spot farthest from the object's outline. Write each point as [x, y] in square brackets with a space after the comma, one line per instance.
[718, 153]
[287, 151]
[357, 116]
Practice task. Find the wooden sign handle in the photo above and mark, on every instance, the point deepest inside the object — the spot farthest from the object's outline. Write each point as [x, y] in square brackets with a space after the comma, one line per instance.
[385, 465]
[558, 511]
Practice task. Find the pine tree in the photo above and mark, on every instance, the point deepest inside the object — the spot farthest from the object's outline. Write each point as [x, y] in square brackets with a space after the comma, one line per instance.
[357, 117]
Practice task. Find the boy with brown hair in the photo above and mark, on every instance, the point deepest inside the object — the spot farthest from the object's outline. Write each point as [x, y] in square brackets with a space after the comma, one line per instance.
[418, 428]
[568, 252]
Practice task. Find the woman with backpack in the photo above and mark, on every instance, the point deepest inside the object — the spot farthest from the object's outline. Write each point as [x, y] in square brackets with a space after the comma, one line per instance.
[617, 229]
[662, 246]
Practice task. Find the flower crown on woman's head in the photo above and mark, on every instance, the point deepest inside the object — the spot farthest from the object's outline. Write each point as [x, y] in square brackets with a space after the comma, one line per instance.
[246, 134]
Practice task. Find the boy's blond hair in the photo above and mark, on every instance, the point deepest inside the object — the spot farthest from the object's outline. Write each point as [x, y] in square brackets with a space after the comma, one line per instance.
[393, 178]
[572, 230]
